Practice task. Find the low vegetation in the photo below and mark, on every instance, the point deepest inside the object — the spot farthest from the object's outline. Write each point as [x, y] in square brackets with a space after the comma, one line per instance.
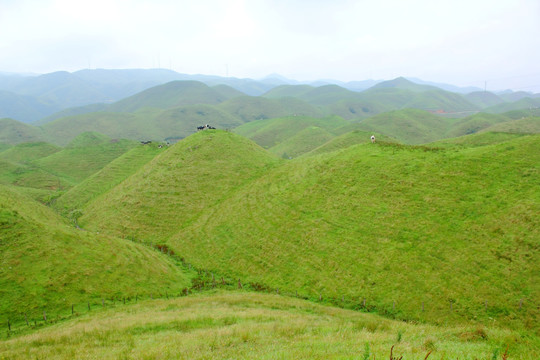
[240, 325]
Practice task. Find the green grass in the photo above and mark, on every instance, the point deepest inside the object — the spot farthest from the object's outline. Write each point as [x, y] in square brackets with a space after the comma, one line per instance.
[48, 265]
[388, 223]
[85, 155]
[410, 126]
[105, 179]
[239, 325]
[176, 186]
[250, 108]
[14, 132]
[172, 94]
[528, 125]
[271, 132]
[301, 143]
[398, 225]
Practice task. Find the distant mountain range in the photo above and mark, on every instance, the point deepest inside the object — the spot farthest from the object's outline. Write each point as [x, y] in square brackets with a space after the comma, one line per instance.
[30, 98]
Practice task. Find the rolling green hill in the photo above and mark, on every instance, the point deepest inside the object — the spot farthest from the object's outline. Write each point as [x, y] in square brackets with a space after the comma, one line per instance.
[321, 95]
[529, 125]
[475, 123]
[172, 190]
[524, 103]
[27, 152]
[484, 99]
[144, 124]
[271, 132]
[249, 108]
[47, 265]
[174, 94]
[14, 132]
[421, 233]
[105, 179]
[410, 126]
[302, 142]
[400, 226]
[85, 155]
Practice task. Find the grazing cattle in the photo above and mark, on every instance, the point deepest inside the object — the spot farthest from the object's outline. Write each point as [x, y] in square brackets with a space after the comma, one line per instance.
[146, 142]
[372, 138]
[205, 127]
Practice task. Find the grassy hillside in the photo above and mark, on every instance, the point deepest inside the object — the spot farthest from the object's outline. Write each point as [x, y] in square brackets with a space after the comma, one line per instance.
[482, 138]
[105, 179]
[475, 123]
[348, 139]
[249, 108]
[27, 152]
[529, 125]
[271, 132]
[304, 141]
[410, 126]
[17, 167]
[85, 155]
[144, 124]
[484, 99]
[173, 94]
[524, 103]
[47, 265]
[442, 236]
[15, 132]
[253, 326]
[176, 186]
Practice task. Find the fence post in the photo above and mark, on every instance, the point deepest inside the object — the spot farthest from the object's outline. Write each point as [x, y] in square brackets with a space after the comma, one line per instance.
[239, 284]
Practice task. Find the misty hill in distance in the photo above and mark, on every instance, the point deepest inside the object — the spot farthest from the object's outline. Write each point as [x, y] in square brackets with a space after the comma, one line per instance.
[31, 98]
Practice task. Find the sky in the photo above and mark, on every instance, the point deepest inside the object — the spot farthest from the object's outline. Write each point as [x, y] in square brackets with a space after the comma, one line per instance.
[492, 44]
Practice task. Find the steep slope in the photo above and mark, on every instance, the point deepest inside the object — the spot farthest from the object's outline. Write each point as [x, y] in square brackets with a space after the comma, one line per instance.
[105, 179]
[47, 265]
[176, 186]
[86, 154]
[420, 233]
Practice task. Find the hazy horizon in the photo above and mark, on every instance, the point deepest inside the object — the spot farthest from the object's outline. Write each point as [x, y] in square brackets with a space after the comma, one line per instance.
[476, 43]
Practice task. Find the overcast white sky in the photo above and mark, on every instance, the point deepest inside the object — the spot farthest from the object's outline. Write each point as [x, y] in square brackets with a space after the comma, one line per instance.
[462, 42]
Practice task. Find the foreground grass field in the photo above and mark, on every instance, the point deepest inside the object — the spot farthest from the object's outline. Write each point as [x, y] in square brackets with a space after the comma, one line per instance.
[241, 325]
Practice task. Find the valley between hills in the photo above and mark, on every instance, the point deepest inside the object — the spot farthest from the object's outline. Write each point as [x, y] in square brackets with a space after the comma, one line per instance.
[283, 233]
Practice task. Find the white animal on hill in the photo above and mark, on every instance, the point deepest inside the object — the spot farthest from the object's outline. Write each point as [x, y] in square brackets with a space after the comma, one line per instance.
[372, 138]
